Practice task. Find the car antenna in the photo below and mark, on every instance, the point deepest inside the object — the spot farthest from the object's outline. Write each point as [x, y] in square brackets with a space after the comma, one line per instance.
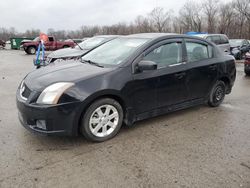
[75, 42]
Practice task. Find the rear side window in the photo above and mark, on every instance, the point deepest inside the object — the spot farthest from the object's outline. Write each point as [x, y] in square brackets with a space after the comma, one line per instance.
[216, 39]
[165, 55]
[51, 39]
[198, 51]
[224, 40]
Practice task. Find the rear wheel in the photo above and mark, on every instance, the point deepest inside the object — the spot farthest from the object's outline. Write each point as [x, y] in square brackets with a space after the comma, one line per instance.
[102, 120]
[217, 94]
[66, 46]
[31, 50]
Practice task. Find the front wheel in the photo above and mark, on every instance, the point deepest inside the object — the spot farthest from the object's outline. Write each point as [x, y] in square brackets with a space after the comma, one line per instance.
[102, 120]
[217, 94]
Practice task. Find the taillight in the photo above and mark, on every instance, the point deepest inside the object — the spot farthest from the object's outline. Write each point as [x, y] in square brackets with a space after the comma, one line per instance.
[247, 61]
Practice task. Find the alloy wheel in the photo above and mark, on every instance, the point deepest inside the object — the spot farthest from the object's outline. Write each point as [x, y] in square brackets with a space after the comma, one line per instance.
[104, 120]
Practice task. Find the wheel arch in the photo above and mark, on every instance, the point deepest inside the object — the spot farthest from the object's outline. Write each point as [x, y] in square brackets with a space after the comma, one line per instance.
[92, 99]
[227, 82]
[30, 46]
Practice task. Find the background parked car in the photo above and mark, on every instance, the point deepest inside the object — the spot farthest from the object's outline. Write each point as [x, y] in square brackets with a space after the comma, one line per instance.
[239, 47]
[52, 44]
[80, 49]
[247, 64]
[37, 39]
[220, 40]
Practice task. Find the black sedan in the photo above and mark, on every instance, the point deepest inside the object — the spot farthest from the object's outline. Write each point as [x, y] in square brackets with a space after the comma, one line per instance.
[125, 80]
[80, 49]
[239, 47]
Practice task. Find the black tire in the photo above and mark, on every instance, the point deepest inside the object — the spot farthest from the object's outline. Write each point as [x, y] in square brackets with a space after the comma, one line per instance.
[247, 73]
[217, 94]
[31, 50]
[85, 121]
[66, 46]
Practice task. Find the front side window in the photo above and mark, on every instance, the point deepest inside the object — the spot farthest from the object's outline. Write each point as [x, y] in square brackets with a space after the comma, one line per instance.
[166, 55]
[198, 51]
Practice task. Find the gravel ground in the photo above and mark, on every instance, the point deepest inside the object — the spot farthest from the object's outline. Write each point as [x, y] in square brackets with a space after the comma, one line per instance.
[197, 147]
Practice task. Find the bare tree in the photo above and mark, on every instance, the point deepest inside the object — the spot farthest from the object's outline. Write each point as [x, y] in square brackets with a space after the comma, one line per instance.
[142, 24]
[160, 20]
[243, 6]
[190, 17]
[232, 18]
[210, 10]
[226, 16]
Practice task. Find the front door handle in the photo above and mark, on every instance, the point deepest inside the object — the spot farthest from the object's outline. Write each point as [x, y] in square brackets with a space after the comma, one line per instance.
[180, 75]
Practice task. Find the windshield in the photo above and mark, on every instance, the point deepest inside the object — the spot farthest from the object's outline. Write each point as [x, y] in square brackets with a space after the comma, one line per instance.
[36, 39]
[91, 43]
[235, 42]
[115, 51]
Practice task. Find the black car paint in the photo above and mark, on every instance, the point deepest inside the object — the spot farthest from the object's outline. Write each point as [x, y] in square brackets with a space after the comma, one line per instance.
[141, 94]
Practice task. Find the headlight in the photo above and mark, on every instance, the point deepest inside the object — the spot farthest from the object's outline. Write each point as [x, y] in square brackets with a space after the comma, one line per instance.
[52, 93]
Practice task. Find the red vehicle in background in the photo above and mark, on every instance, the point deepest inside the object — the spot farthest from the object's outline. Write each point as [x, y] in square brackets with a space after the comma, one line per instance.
[51, 44]
[247, 64]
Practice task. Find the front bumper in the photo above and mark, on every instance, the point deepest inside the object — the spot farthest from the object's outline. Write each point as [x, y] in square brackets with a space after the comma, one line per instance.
[59, 119]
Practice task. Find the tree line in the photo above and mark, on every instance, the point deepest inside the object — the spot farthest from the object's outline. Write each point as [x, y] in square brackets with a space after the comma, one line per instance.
[212, 16]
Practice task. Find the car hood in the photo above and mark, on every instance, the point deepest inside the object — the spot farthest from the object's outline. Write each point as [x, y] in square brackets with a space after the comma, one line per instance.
[67, 52]
[66, 71]
[26, 40]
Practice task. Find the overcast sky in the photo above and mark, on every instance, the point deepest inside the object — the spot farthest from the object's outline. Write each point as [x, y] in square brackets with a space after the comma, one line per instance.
[71, 14]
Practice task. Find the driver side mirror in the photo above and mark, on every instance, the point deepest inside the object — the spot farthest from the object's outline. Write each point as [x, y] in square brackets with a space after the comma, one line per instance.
[146, 65]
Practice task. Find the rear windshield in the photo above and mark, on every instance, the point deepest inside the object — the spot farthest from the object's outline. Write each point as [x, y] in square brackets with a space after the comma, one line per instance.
[235, 42]
[91, 43]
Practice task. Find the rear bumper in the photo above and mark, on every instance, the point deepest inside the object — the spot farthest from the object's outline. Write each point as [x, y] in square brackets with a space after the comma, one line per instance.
[59, 119]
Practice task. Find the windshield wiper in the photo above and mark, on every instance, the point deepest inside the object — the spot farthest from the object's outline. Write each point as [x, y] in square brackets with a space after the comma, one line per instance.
[75, 42]
[92, 63]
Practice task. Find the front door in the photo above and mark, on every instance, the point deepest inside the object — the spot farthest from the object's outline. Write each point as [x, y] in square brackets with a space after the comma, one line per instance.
[171, 86]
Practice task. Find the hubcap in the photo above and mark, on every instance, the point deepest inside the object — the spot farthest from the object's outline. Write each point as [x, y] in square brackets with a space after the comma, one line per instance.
[218, 93]
[33, 50]
[103, 120]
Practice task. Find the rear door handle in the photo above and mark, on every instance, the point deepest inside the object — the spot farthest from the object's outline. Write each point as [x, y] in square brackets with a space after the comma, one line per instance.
[180, 75]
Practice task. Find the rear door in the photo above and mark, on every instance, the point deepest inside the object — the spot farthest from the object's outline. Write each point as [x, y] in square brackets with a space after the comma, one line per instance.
[202, 68]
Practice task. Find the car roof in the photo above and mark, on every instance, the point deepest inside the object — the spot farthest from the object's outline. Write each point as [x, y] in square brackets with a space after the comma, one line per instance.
[107, 36]
[237, 39]
[207, 35]
[150, 35]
